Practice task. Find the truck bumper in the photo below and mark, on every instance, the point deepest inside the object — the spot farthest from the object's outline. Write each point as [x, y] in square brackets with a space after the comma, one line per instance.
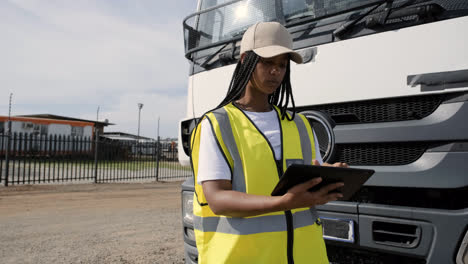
[397, 234]
[191, 254]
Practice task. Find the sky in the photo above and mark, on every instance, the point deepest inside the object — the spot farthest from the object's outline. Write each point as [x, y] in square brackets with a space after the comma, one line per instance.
[69, 57]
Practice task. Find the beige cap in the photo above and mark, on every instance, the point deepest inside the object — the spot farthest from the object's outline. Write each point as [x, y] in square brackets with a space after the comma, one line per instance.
[269, 39]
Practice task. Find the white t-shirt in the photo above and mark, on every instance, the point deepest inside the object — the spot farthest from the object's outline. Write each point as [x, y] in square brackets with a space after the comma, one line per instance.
[211, 163]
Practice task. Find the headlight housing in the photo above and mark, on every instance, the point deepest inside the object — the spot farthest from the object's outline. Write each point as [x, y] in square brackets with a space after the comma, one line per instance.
[462, 256]
[323, 127]
[190, 234]
[187, 207]
[186, 131]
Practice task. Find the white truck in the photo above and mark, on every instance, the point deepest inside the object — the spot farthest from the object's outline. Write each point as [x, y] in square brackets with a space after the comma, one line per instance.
[385, 86]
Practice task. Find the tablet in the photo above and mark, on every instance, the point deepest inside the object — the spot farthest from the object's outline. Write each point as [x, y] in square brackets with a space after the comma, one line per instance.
[297, 173]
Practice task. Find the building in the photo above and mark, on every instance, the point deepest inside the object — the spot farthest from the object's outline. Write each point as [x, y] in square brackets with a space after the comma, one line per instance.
[99, 126]
[46, 126]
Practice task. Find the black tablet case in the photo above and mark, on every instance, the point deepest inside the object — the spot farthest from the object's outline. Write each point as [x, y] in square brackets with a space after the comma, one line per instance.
[296, 174]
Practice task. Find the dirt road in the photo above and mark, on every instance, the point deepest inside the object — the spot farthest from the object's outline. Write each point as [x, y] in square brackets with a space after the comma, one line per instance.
[88, 223]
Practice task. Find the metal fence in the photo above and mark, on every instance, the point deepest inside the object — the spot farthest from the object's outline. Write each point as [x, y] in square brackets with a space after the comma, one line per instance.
[33, 159]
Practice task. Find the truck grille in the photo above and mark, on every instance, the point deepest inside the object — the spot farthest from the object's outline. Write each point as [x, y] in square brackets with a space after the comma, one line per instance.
[382, 110]
[445, 199]
[344, 255]
[380, 154]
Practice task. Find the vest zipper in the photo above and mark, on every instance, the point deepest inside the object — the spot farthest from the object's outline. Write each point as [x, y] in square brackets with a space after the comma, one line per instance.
[287, 214]
[289, 226]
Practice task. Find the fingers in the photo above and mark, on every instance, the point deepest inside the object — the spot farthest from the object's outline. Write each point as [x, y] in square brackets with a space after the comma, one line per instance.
[307, 185]
[311, 183]
[340, 165]
[336, 164]
[330, 187]
[315, 163]
[299, 196]
[327, 195]
[331, 197]
[324, 198]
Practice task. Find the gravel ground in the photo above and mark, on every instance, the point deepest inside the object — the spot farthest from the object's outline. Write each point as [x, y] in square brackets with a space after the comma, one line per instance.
[89, 223]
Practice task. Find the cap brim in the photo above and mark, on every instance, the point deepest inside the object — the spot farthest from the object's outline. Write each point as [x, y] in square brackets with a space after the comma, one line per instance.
[272, 51]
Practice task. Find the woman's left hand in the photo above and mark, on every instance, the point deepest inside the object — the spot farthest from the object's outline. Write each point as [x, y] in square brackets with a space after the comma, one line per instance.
[336, 164]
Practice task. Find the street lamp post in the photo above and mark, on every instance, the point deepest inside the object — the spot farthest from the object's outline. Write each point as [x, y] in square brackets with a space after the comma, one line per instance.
[140, 105]
[8, 134]
[96, 142]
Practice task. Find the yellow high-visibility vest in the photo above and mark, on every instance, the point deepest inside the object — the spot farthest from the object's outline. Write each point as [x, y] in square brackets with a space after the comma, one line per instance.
[280, 237]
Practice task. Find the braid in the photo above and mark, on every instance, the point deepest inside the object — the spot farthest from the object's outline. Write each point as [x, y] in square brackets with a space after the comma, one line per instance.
[284, 92]
[241, 77]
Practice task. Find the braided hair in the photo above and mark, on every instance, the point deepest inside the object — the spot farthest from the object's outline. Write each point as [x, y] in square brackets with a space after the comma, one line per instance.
[241, 77]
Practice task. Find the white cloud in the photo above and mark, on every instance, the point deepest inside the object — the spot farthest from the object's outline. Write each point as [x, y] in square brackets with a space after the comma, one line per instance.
[68, 57]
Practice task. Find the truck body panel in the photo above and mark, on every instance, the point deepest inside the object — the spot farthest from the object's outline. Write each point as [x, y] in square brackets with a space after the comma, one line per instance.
[398, 98]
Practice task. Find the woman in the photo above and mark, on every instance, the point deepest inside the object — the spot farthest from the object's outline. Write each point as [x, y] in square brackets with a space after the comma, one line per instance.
[238, 155]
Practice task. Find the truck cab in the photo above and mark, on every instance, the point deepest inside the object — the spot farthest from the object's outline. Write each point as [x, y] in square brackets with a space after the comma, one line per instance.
[384, 85]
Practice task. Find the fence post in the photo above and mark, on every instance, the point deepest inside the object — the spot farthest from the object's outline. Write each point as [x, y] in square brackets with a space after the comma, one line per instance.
[158, 146]
[7, 158]
[96, 157]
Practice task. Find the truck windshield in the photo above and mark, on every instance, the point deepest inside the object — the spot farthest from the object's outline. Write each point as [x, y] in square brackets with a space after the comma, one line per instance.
[223, 21]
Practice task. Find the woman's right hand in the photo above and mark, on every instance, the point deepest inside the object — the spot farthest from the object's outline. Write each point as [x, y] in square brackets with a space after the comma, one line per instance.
[299, 196]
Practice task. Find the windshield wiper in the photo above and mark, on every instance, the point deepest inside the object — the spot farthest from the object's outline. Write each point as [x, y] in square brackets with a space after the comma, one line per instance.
[300, 15]
[427, 12]
[337, 33]
[204, 63]
[224, 57]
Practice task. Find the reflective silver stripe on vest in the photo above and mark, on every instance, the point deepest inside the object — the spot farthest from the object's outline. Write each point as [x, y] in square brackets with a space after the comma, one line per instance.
[238, 179]
[304, 218]
[306, 145]
[255, 225]
[314, 213]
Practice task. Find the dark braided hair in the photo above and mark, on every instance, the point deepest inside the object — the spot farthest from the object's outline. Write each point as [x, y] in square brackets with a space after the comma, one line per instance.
[241, 77]
[284, 92]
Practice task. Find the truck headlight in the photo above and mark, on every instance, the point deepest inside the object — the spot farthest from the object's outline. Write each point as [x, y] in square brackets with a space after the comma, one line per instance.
[187, 207]
[462, 256]
[323, 127]
[190, 234]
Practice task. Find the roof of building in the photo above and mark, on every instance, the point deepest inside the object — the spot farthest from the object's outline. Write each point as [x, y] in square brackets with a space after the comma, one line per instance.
[49, 116]
[125, 136]
[47, 121]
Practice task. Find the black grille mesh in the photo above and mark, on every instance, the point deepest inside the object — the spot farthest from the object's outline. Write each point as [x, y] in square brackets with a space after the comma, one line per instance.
[340, 255]
[383, 110]
[381, 154]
